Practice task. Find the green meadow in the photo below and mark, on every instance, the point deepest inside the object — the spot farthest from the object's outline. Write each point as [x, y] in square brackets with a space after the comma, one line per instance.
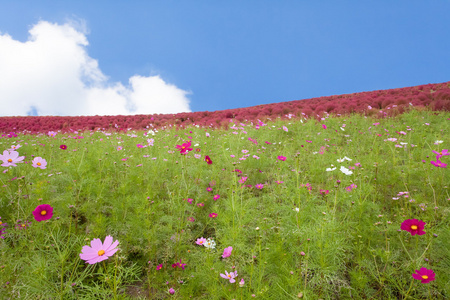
[323, 223]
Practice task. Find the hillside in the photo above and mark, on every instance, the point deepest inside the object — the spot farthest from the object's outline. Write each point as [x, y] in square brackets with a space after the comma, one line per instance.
[375, 103]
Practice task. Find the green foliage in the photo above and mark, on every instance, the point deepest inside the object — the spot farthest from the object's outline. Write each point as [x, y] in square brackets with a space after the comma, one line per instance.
[289, 237]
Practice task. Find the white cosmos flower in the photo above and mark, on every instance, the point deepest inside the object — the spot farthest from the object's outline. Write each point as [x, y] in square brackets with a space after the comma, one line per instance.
[210, 244]
[330, 169]
[342, 129]
[346, 171]
[438, 142]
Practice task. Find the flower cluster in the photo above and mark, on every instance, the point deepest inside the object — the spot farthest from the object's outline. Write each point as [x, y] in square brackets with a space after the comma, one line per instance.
[208, 243]
[2, 228]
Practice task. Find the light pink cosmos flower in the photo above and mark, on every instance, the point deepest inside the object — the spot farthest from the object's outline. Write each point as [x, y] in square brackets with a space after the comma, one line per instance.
[227, 252]
[15, 147]
[99, 251]
[285, 128]
[39, 162]
[201, 241]
[230, 276]
[10, 158]
[51, 133]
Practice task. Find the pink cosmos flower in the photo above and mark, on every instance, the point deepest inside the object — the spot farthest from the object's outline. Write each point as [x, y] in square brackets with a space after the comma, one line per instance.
[227, 252]
[216, 197]
[99, 251]
[259, 186]
[324, 126]
[444, 152]
[10, 158]
[139, 146]
[424, 275]
[282, 158]
[191, 219]
[212, 215]
[43, 212]
[171, 291]
[285, 128]
[208, 189]
[39, 162]
[438, 164]
[15, 147]
[413, 226]
[159, 267]
[201, 241]
[51, 133]
[243, 179]
[230, 276]
[279, 182]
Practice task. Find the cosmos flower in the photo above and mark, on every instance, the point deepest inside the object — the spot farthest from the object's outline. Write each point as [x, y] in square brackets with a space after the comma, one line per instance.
[208, 160]
[201, 241]
[413, 226]
[230, 276]
[438, 164]
[63, 147]
[216, 197]
[210, 244]
[259, 186]
[39, 162]
[10, 158]
[227, 252]
[282, 158]
[43, 212]
[185, 147]
[99, 251]
[212, 215]
[424, 275]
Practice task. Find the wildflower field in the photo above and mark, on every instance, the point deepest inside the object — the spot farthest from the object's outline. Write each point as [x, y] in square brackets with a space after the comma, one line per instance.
[348, 207]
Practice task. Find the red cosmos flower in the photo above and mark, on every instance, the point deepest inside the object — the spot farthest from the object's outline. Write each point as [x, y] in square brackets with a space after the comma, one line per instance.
[212, 215]
[208, 160]
[424, 275]
[413, 226]
[43, 212]
[184, 148]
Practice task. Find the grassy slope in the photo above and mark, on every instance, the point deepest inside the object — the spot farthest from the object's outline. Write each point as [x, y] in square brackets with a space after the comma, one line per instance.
[350, 239]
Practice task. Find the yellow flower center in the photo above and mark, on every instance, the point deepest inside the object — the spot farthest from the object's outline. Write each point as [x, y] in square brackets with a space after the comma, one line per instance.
[9, 160]
[424, 276]
[38, 163]
[414, 227]
[229, 275]
[23, 225]
[101, 252]
[1, 222]
[43, 213]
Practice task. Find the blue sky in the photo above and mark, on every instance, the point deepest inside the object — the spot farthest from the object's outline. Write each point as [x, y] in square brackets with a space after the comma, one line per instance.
[214, 56]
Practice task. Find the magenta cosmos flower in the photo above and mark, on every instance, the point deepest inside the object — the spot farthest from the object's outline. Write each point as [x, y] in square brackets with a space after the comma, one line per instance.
[99, 251]
[43, 212]
[438, 164]
[424, 275]
[39, 162]
[208, 160]
[184, 148]
[259, 186]
[10, 158]
[444, 152]
[212, 215]
[282, 158]
[413, 226]
[216, 197]
[227, 252]
[230, 276]
[63, 147]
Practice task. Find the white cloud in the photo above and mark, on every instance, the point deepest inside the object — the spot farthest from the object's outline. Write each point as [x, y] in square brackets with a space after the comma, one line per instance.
[52, 74]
